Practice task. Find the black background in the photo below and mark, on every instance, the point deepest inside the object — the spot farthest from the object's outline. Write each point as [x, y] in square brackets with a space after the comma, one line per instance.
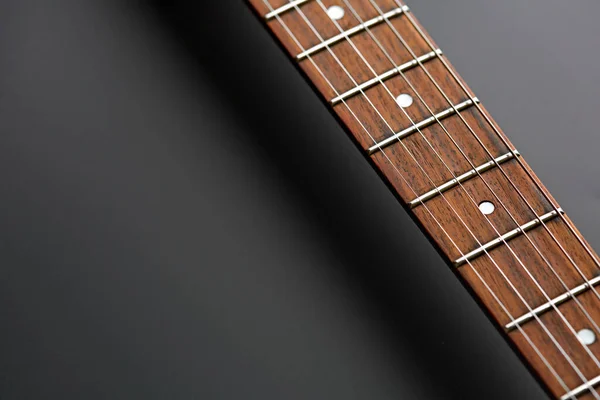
[182, 219]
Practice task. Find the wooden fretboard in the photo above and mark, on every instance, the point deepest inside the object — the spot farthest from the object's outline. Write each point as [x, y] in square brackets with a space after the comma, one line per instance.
[455, 171]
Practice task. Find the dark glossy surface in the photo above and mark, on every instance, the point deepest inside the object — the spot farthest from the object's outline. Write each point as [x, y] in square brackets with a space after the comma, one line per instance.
[165, 237]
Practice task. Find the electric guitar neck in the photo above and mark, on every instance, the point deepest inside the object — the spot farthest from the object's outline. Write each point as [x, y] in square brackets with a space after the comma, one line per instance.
[451, 167]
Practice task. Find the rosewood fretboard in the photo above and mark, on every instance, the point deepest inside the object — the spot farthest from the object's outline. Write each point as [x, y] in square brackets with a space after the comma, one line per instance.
[459, 176]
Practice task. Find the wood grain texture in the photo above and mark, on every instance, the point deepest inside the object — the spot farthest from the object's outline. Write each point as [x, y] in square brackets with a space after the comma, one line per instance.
[509, 280]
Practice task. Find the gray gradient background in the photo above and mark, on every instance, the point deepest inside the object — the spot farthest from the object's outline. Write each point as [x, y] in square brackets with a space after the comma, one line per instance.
[182, 219]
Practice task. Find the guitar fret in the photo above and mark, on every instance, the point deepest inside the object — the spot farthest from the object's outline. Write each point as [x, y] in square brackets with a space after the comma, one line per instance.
[554, 302]
[462, 178]
[423, 124]
[283, 9]
[581, 389]
[352, 31]
[393, 72]
[507, 236]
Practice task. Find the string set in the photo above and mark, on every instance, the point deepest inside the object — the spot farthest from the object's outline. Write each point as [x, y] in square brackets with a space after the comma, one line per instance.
[441, 194]
[473, 167]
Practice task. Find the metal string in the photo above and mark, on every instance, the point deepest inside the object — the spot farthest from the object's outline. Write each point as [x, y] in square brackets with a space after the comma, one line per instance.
[466, 158]
[516, 257]
[543, 223]
[559, 379]
[493, 125]
[589, 285]
[533, 279]
[462, 152]
[475, 271]
[501, 136]
[342, 66]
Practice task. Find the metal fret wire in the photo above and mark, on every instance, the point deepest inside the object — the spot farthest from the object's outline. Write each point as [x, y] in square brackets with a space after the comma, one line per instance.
[550, 368]
[473, 166]
[563, 218]
[461, 151]
[592, 356]
[497, 130]
[467, 227]
[543, 359]
[588, 316]
[583, 309]
[543, 223]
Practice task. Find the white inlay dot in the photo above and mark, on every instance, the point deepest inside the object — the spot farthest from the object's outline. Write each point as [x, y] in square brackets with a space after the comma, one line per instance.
[586, 336]
[487, 208]
[336, 12]
[404, 100]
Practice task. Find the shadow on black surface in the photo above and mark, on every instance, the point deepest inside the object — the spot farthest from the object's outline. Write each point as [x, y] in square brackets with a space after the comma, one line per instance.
[229, 47]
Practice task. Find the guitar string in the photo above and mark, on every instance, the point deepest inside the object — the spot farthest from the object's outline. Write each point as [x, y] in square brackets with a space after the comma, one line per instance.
[533, 279]
[551, 369]
[504, 140]
[417, 162]
[459, 114]
[492, 293]
[559, 313]
[566, 287]
[578, 303]
[493, 125]
[532, 178]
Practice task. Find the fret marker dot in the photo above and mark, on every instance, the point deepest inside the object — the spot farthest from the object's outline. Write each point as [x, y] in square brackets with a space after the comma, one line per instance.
[586, 336]
[336, 12]
[404, 100]
[487, 208]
